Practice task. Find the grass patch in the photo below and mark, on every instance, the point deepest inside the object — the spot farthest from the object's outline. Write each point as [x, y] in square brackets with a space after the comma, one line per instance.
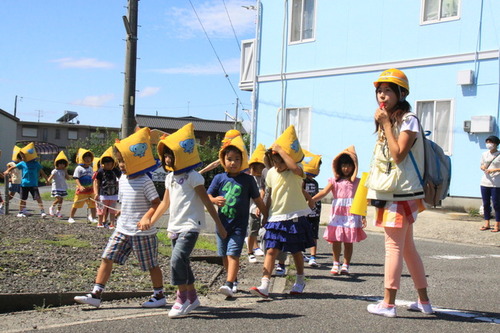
[473, 212]
[16, 252]
[70, 190]
[67, 240]
[42, 308]
[204, 242]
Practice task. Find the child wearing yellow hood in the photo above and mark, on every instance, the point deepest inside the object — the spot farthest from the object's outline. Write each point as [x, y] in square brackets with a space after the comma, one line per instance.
[84, 188]
[58, 177]
[232, 191]
[134, 231]
[287, 228]
[31, 170]
[186, 197]
[344, 227]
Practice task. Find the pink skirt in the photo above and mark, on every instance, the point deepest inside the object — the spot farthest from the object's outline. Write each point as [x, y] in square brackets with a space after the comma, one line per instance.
[343, 234]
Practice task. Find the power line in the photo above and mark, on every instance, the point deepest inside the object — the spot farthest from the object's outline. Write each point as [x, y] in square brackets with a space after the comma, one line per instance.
[213, 48]
[232, 27]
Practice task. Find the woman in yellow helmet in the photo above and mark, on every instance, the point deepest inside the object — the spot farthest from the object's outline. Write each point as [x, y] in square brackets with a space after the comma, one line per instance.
[395, 189]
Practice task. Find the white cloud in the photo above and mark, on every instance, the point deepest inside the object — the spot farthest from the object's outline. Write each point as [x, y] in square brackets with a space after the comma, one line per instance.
[94, 101]
[232, 66]
[83, 63]
[148, 91]
[214, 18]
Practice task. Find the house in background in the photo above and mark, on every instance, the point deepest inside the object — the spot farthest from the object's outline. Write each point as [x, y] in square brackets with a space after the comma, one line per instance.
[50, 138]
[203, 128]
[8, 125]
[313, 64]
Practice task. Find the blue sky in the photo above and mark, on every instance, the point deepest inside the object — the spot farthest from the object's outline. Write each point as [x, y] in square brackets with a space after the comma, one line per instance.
[59, 55]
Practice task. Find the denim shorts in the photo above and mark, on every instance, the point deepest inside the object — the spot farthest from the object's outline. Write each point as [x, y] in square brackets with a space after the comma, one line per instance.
[230, 246]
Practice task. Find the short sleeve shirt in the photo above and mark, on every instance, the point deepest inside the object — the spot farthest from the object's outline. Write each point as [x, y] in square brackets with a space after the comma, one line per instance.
[238, 191]
[135, 196]
[84, 176]
[30, 171]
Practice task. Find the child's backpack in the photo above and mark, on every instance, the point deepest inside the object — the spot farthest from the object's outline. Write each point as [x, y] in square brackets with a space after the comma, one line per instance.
[437, 172]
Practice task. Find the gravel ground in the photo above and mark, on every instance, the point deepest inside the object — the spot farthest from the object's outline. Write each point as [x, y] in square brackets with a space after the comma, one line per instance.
[49, 255]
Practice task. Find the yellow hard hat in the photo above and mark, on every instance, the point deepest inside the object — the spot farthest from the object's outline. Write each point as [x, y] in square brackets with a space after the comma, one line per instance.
[395, 76]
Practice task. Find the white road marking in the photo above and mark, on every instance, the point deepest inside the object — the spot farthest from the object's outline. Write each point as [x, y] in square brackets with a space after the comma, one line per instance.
[470, 256]
[450, 312]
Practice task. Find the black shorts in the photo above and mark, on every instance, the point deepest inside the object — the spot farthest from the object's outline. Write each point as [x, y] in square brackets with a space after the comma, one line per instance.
[25, 191]
[314, 221]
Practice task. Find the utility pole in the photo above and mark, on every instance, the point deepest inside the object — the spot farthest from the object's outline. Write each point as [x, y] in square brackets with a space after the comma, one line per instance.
[236, 118]
[130, 22]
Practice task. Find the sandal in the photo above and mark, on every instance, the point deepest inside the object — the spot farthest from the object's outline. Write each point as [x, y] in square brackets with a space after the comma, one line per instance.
[483, 228]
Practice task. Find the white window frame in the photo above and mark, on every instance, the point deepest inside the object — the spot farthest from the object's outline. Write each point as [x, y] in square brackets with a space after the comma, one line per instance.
[439, 18]
[432, 125]
[301, 39]
[29, 132]
[70, 132]
[302, 126]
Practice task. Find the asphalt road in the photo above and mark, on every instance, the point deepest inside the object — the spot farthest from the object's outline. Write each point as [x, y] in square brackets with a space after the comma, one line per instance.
[463, 286]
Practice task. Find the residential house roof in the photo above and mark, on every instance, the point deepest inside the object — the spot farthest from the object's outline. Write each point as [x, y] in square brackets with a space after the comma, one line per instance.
[8, 115]
[174, 123]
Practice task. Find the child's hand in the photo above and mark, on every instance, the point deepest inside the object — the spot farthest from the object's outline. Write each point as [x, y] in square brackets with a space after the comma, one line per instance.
[276, 147]
[144, 224]
[363, 220]
[311, 203]
[96, 197]
[220, 201]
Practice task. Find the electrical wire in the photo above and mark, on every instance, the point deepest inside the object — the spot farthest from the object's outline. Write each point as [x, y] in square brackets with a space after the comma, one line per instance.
[213, 49]
[232, 27]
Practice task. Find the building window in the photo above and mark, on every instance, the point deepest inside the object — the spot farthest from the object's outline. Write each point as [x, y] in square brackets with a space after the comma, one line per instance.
[58, 134]
[440, 10]
[436, 118]
[303, 20]
[72, 134]
[31, 132]
[300, 118]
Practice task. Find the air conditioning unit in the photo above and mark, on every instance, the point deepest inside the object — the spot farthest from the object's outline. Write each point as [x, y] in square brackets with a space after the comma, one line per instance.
[482, 124]
[465, 78]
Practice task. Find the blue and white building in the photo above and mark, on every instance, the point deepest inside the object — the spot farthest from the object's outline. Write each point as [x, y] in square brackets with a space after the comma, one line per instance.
[313, 63]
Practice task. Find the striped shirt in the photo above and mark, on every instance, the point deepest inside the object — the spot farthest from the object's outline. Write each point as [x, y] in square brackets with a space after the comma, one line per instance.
[135, 196]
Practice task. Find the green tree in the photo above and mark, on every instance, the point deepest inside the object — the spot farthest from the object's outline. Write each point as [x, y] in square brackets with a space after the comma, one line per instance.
[95, 142]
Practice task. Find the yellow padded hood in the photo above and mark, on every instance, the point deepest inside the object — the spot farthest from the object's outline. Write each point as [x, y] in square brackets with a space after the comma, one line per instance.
[290, 143]
[15, 151]
[234, 138]
[29, 152]
[351, 152]
[136, 153]
[183, 145]
[258, 154]
[61, 157]
[79, 156]
[311, 163]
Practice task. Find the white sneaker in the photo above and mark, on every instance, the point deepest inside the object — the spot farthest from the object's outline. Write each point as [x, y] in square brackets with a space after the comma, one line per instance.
[154, 302]
[298, 288]
[51, 211]
[71, 220]
[379, 310]
[312, 262]
[43, 215]
[261, 292]
[91, 219]
[88, 299]
[306, 257]
[191, 306]
[252, 258]
[20, 214]
[424, 308]
[178, 309]
[258, 252]
[280, 270]
[226, 291]
[235, 287]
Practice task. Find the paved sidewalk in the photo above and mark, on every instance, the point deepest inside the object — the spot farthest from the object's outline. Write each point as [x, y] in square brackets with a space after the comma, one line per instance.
[438, 224]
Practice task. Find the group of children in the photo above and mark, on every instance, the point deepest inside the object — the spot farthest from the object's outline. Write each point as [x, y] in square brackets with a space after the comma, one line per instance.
[279, 196]
[100, 186]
